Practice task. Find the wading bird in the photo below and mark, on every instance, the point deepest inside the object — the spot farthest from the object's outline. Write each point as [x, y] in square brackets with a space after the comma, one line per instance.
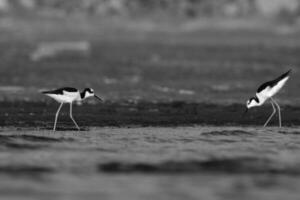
[69, 95]
[266, 92]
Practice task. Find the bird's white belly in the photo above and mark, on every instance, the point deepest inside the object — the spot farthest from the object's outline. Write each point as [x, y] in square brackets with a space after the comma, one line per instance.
[64, 98]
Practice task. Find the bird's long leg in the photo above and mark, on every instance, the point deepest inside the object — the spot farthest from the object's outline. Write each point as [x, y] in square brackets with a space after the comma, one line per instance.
[56, 116]
[71, 116]
[273, 113]
[279, 111]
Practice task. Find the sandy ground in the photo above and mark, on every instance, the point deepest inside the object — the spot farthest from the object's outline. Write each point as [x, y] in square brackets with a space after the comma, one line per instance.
[151, 163]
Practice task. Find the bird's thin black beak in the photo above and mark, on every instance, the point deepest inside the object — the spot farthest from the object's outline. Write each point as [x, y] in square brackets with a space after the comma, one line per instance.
[98, 98]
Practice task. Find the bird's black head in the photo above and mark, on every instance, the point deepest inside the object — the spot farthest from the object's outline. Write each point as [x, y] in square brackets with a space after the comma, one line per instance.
[89, 92]
[252, 102]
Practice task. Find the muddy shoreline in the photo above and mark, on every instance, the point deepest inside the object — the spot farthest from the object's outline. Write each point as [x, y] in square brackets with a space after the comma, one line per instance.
[122, 114]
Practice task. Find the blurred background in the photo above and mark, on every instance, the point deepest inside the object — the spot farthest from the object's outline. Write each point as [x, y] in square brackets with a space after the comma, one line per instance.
[155, 50]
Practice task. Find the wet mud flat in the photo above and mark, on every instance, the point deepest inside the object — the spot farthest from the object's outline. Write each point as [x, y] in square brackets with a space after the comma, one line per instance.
[204, 162]
[40, 115]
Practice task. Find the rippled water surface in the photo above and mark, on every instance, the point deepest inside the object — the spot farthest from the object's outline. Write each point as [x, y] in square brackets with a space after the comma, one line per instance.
[151, 163]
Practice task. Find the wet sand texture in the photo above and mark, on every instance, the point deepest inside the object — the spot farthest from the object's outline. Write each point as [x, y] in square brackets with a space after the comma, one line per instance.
[155, 163]
[178, 113]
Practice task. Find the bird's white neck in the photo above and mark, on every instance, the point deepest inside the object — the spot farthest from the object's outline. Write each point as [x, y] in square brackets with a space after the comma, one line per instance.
[261, 99]
[82, 95]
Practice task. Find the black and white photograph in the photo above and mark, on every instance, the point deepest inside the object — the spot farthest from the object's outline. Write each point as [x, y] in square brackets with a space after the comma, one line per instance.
[149, 99]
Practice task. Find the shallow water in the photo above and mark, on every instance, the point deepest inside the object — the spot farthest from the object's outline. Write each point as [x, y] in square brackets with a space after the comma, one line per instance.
[151, 163]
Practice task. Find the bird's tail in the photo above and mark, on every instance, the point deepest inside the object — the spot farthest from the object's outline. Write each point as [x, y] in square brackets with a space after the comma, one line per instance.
[286, 74]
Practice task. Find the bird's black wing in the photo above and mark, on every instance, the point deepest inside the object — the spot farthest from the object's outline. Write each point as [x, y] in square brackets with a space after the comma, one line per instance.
[60, 90]
[273, 82]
